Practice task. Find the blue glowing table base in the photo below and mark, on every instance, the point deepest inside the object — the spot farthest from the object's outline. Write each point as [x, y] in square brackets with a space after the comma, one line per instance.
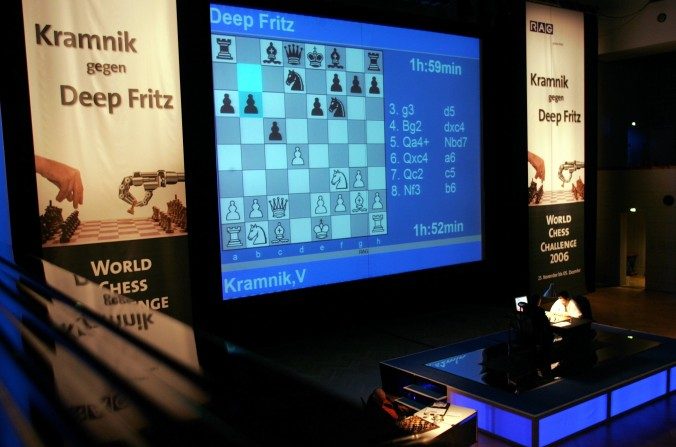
[628, 369]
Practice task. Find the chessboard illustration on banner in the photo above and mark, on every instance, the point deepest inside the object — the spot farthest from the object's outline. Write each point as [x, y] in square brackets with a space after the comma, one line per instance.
[57, 230]
[300, 141]
[570, 189]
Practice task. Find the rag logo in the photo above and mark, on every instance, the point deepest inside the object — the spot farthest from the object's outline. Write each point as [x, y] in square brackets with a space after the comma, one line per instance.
[541, 27]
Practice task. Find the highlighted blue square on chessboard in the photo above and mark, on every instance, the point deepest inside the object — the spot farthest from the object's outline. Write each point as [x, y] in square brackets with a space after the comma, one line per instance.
[249, 78]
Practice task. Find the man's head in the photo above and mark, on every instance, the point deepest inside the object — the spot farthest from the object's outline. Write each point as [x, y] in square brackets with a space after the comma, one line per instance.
[564, 295]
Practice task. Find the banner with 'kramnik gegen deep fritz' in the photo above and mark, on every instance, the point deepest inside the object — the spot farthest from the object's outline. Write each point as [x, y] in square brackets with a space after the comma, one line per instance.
[556, 182]
[106, 116]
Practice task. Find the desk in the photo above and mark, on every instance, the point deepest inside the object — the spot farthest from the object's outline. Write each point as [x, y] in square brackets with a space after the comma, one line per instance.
[569, 326]
[457, 428]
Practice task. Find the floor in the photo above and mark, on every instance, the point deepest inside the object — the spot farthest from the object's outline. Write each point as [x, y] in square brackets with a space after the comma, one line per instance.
[344, 357]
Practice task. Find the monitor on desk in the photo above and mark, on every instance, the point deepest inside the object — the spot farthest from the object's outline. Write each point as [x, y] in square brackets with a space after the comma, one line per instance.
[519, 302]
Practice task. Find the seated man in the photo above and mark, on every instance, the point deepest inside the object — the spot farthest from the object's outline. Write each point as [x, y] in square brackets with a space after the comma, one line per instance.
[544, 337]
[565, 306]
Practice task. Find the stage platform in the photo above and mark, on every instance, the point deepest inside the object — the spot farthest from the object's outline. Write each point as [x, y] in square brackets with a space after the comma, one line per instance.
[610, 373]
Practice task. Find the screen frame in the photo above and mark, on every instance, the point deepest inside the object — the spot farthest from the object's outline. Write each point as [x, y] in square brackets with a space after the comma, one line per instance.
[195, 57]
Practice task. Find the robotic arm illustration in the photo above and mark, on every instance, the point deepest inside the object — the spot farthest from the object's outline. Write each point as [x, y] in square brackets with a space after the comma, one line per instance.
[150, 181]
[570, 166]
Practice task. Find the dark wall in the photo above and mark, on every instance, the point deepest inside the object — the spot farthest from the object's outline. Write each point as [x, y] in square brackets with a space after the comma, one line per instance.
[640, 89]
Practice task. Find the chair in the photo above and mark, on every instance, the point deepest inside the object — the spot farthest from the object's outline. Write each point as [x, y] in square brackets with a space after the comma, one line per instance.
[585, 307]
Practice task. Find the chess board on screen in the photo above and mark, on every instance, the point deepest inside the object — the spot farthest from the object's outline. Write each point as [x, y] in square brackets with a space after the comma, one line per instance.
[345, 150]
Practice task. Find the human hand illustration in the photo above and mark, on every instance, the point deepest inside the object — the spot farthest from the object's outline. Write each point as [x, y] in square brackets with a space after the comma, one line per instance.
[65, 177]
[539, 165]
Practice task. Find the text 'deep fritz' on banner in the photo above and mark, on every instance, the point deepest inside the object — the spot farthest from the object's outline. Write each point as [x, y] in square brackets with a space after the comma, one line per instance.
[556, 181]
[108, 142]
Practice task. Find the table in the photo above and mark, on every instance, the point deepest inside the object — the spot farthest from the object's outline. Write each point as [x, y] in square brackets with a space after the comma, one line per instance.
[458, 427]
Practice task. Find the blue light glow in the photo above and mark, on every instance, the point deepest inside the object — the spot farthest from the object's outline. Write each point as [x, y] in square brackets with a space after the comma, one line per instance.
[637, 393]
[672, 380]
[497, 421]
[573, 419]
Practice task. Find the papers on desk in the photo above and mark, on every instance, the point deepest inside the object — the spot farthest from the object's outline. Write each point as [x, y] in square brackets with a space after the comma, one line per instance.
[561, 324]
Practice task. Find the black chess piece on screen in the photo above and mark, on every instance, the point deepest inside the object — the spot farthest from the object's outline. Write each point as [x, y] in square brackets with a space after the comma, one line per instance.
[374, 90]
[317, 108]
[227, 104]
[356, 88]
[274, 132]
[250, 105]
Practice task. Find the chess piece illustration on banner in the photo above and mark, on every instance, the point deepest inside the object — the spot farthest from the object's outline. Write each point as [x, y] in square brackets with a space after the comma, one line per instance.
[320, 208]
[335, 86]
[234, 237]
[377, 204]
[536, 193]
[279, 235]
[356, 88]
[339, 180]
[377, 223]
[294, 81]
[317, 108]
[257, 235]
[297, 157]
[272, 55]
[340, 204]
[358, 204]
[358, 182]
[336, 107]
[227, 104]
[233, 214]
[274, 132]
[335, 59]
[374, 90]
[321, 230]
[256, 212]
[250, 105]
